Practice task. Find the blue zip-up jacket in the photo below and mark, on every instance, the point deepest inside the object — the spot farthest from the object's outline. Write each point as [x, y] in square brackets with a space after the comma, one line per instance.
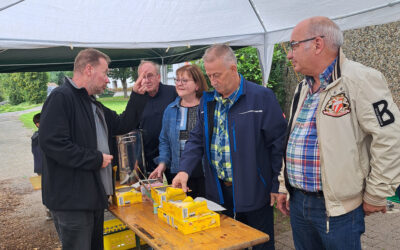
[256, 136]
[169, 146]
[169, 137]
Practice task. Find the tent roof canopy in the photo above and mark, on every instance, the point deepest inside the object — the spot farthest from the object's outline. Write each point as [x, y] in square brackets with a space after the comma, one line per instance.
[47, 34]
[62, 58]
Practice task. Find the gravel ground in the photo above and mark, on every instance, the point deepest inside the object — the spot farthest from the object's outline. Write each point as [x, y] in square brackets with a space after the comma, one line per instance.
[22, 215]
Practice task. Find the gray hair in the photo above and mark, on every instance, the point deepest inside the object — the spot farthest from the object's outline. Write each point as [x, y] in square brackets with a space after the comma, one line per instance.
[156, 65]
[220, 51]
[323, 26]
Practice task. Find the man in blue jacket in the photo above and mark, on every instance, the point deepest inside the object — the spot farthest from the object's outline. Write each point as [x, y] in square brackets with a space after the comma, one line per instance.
[240, 134]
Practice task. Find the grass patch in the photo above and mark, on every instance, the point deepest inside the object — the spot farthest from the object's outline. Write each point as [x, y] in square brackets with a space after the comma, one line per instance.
[27, 118]
[117, 104]
[12, 108]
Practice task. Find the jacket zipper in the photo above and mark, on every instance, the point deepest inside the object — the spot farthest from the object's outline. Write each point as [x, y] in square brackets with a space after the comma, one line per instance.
[321, 100]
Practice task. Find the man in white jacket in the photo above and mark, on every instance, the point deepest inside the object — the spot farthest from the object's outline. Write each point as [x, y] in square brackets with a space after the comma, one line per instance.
[342, 156]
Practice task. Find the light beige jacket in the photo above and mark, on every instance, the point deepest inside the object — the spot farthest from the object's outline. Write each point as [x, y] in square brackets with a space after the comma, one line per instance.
[358, 127]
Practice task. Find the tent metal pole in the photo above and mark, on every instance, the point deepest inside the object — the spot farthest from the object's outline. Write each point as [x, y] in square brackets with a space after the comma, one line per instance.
[262, 63]
[164, 78]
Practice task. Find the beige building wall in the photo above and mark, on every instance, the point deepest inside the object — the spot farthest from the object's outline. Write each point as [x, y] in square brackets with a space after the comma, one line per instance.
[374, 46]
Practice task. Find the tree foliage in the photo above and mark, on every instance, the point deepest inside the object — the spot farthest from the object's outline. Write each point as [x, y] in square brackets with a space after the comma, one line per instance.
[25, 87]
[35, 86]
[249, 67]
[58, 76]
[123, 74]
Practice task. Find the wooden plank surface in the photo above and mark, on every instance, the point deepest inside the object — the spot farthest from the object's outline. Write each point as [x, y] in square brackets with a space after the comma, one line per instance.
[159, 235]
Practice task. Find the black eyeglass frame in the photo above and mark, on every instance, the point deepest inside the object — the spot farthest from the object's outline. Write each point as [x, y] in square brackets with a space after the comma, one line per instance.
[294, 43]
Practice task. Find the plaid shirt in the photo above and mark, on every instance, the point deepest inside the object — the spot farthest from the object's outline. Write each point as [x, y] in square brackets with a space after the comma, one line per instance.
[302, 155]
[220, 149]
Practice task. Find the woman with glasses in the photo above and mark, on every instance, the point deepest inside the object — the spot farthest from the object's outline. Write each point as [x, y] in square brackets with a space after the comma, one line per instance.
[179, 119]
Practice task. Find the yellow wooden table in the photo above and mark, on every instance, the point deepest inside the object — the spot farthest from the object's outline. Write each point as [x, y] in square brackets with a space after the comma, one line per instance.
[159, 235]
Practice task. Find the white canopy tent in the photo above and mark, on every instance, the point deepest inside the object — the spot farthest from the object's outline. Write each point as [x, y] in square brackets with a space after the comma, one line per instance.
[31, 26]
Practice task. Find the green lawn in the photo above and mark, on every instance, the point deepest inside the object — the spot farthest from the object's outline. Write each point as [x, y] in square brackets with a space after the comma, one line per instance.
[27, 119]
[12, 108]
[117, 104]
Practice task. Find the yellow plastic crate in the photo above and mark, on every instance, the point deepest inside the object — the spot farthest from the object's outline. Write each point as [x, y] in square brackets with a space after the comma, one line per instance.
[112, 226]
[121, 240]
[118, 236]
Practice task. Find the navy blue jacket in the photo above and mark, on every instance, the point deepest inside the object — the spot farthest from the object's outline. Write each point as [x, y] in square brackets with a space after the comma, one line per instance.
[256, 136]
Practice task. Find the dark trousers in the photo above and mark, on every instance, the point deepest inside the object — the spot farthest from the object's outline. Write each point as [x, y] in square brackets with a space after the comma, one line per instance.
[313, 230]
[261, 219]
[79, 229]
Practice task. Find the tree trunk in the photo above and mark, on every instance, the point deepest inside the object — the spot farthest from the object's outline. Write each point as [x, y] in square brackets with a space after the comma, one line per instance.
[115, 85]
[124, 87]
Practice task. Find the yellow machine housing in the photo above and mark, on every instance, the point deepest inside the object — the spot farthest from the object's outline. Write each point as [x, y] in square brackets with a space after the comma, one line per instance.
[126, 195]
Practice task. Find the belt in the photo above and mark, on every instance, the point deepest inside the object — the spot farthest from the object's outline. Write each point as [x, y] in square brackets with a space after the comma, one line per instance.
[226, 183]
[318, 193]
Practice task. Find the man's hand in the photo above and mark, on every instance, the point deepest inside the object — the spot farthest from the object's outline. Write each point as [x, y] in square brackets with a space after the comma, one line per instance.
[282, 203]
[106, 160]
[180, 181]
[158, 172]
[139, 86]
[370, 209]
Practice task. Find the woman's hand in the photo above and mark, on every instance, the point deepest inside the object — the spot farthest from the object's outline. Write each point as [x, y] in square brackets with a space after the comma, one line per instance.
[158, 172]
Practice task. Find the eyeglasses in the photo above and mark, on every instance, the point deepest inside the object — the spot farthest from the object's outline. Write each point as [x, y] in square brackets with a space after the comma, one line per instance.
[295, 44]
[149, 77]
[183, 81]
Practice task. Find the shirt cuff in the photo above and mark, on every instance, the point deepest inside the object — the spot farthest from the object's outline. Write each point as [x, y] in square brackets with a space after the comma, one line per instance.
[374, 200]
[282, 189]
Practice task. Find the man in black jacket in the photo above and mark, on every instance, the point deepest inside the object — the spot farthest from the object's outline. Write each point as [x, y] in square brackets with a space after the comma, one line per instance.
[160, 95]
[75, 132]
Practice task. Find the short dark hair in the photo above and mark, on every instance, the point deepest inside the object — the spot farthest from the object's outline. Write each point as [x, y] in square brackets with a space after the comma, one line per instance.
[89, 56]
[36, 118]
[195, 72]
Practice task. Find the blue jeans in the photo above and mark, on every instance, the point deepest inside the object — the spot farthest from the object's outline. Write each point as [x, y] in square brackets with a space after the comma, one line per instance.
[79, 229]
[313, 229]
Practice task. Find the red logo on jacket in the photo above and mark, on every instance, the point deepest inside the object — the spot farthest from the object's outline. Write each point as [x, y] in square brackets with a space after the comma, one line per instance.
[337, 106]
